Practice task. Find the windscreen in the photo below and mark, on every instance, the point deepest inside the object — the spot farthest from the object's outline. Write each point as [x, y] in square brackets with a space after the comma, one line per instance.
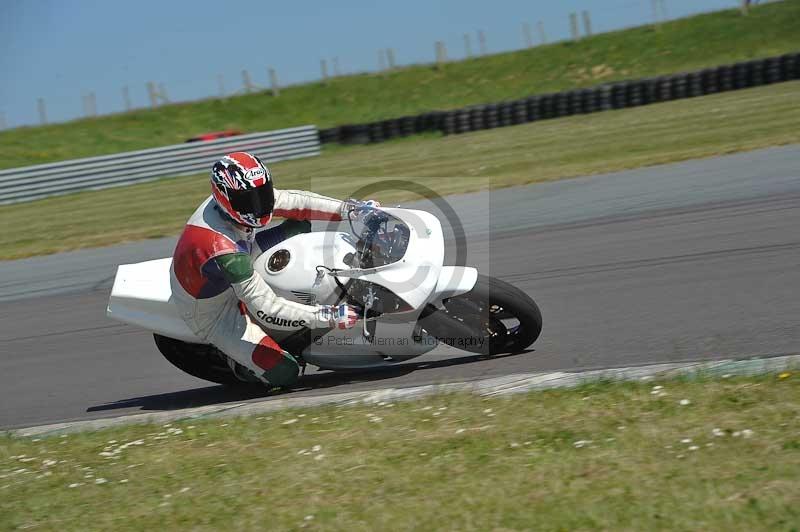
[383, 239]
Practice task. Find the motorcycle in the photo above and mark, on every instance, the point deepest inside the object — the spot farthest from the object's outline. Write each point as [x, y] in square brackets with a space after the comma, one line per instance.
[390, 265]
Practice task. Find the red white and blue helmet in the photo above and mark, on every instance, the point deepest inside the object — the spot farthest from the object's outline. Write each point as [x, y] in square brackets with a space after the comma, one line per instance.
[242, 187]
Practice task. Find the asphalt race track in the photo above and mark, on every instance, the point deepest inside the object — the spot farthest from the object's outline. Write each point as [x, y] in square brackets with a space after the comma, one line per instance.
[697, 260]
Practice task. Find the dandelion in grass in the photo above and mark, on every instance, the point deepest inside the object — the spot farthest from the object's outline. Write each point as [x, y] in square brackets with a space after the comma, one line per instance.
[316, 448]
[75, 484]
[100, 480]
[581, 443]
[684, 402]
[747, 433]
[686, 440]
[319, 457]
[785, 375]
[717, 433]
[693, 447]
[290, 421]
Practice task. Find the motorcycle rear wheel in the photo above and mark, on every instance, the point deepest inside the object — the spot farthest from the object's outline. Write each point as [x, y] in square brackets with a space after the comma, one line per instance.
[198, 360]
[478, 321]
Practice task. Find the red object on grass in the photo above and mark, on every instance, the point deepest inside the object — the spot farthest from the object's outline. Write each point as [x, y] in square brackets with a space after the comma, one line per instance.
[215, 135]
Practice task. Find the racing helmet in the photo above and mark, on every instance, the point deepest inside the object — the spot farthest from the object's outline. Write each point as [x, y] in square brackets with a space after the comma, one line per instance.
[242, 187]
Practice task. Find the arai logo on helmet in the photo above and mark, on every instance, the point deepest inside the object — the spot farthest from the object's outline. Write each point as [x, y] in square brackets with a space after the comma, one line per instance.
[255, 173]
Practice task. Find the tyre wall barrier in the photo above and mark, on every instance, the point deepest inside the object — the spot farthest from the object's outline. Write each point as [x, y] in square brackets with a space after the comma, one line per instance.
[605, 97]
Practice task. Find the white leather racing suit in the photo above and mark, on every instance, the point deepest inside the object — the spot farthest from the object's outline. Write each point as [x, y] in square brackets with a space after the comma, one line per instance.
[221, 298]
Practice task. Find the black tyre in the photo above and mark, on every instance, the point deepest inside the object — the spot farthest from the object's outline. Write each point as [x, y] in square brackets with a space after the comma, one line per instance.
[198, 360]
[492, 318]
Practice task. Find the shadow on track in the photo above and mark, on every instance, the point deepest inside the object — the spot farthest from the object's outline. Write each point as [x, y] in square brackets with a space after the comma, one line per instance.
[217, 394]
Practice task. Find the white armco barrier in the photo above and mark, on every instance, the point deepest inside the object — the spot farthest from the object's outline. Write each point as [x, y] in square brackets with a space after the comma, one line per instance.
[44, 180]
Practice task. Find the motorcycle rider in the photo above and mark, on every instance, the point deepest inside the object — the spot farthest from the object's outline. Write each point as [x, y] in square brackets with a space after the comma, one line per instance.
[220, 297]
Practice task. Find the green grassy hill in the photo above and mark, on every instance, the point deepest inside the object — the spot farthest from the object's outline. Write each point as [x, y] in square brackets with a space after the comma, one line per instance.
[684, 44]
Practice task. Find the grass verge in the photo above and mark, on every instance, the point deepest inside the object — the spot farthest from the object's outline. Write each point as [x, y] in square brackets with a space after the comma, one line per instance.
[686, 44]
[541, 151]
[686, 454]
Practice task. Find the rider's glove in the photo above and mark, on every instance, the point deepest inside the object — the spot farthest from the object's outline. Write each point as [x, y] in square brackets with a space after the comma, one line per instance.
[343, 316]
[369, 205]
[362, 209]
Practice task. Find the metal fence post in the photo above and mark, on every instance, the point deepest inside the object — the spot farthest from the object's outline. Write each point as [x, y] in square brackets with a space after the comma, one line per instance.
[573, 26]
[273, 82]
[526, 34]
[247, 82]
[542, 35]
[323, 65]
[482, 42]
[381, 60]
[162, 93]
[656, 16]
[587, 23]
[152, 93]
[441, 54]
[390, 58]
[42, 111]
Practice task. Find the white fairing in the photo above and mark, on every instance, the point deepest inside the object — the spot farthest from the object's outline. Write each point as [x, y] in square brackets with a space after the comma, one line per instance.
[141, 294]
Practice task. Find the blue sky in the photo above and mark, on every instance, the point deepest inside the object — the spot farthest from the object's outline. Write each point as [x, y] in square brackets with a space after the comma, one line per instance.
[61, 49]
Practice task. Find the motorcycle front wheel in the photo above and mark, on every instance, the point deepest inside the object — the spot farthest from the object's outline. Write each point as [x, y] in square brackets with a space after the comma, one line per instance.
[492, 318]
